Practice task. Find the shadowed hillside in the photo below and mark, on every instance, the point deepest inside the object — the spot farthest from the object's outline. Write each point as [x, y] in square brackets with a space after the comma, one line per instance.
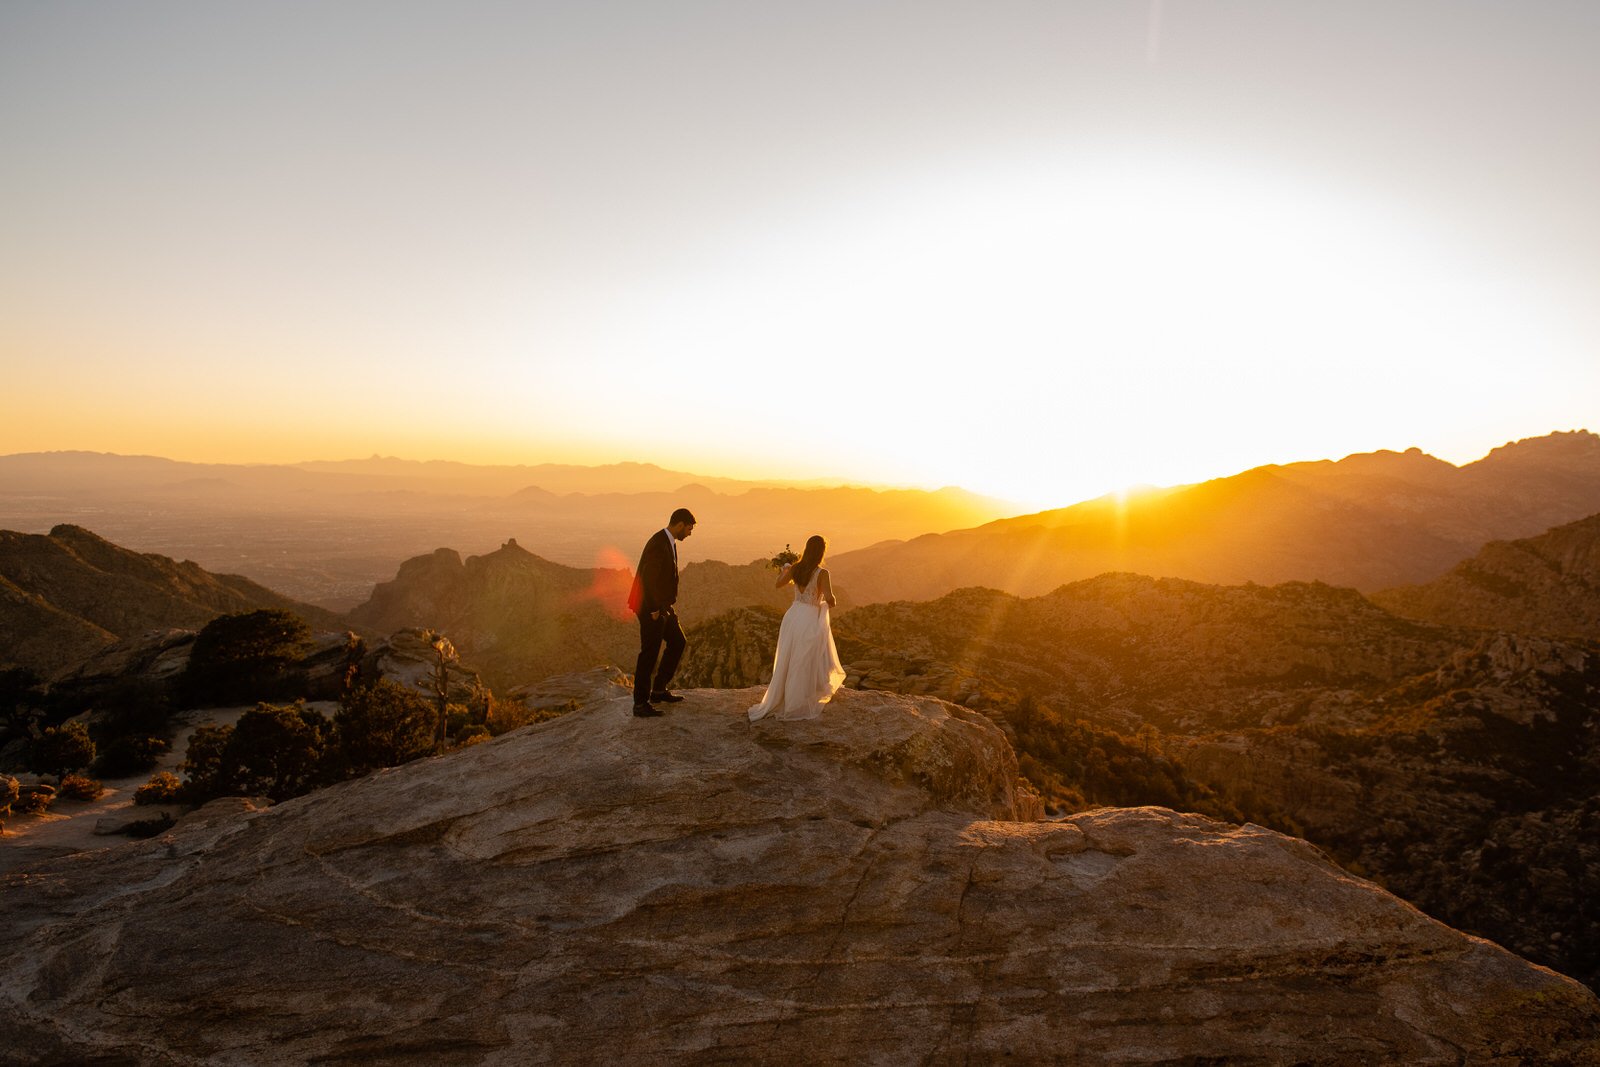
[520, 618]
[1368, 521]
[67, 594]
[1548, 584]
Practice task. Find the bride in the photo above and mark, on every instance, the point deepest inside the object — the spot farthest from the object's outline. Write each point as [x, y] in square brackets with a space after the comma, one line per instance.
[806, 671]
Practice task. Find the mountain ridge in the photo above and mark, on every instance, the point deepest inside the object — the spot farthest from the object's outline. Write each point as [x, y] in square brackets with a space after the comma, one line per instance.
[70, 592]
[1370, 521]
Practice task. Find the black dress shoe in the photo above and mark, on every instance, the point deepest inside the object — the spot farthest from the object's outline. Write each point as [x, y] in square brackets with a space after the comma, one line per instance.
[667, 698]
[644, 711]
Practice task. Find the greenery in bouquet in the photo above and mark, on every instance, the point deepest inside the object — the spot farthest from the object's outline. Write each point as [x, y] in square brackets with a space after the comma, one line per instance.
[784, 558]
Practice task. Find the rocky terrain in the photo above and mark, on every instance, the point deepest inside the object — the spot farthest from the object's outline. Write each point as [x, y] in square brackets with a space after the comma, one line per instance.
[1548, 585]
[1369, 521]
[65, 595]
[1456, 766]
[865, 887]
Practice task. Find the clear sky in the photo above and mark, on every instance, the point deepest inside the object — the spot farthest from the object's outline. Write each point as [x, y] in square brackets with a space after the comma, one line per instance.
[1037, 249]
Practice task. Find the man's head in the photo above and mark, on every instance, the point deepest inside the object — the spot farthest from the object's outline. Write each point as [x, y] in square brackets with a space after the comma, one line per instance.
[681, 524]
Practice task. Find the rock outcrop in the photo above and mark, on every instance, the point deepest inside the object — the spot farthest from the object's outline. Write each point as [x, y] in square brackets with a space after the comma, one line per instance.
[414, 659]
[518, 616]
[860, 888]
[1455, 766]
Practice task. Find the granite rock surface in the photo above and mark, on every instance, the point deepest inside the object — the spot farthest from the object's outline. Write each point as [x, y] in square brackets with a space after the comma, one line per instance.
[872, 886]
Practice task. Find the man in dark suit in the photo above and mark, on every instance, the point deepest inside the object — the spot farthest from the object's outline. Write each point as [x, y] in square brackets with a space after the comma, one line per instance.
[655, 590]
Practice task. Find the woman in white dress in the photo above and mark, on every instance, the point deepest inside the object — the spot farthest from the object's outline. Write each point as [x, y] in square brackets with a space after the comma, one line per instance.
[806, 671]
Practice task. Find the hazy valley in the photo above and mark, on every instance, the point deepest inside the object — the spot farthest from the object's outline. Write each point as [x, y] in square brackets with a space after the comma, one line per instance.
[325, 533]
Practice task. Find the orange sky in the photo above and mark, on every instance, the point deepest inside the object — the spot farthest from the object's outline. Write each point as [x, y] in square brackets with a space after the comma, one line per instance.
[1041, 252]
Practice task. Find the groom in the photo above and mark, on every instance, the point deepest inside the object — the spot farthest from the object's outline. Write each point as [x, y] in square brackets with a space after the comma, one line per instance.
[655, 590]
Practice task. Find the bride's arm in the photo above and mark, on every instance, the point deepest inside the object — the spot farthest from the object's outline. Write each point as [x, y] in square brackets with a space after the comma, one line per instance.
[783, 576]
[825, 587]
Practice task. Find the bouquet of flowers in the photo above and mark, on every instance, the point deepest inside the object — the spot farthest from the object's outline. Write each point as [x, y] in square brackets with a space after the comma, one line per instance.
[784, 558]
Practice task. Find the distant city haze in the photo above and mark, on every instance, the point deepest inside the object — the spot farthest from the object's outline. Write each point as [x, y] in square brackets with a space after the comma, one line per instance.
[1040, 252]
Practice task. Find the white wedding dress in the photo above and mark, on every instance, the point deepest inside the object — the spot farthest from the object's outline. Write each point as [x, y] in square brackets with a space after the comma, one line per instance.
[806, 671]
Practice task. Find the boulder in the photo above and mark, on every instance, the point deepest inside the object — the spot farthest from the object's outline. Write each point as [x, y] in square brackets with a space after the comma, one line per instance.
[864, 887]
[156, 659]
[331, 664]
[412, 658]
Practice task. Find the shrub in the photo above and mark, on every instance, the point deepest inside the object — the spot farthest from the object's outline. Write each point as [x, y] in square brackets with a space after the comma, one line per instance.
[202, 762]
[511, 715]
[471, 735]
[124, 756]
[147, 827]
[133, 706]
[81, 787]
[275, 750]
[8, 793]
[162, 788]
[21, 691]
[384, 725]
[36, 799]
[245, 657]
[62, 748]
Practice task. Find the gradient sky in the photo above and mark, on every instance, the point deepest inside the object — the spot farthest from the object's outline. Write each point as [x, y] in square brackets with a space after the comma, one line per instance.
[1037, 249]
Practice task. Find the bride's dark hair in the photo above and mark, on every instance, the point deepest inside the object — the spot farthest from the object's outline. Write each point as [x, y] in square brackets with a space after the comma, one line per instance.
[810, 560]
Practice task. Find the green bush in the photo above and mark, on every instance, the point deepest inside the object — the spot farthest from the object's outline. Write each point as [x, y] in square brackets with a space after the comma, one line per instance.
[277, 751]
[162, 788]
[202, 762]
[61, 749]
[124, 756]
[133, 706]
[81, 787]
[245, 657]
[274, 750]
[384, 725]
[21, 693]
[142, 828]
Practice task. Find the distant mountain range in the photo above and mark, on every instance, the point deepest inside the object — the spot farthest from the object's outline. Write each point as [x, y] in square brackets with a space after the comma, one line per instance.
[1370, 521]
[328, 532]
[67, 594]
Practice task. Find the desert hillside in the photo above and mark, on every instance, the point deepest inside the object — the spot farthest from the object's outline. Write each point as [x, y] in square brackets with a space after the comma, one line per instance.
[1549, 584]
[65, 595]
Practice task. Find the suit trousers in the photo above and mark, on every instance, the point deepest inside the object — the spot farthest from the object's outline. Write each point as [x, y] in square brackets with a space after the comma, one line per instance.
[653, 633]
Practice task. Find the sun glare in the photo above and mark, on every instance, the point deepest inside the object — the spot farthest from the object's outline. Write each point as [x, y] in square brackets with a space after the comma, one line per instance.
[1050, 338]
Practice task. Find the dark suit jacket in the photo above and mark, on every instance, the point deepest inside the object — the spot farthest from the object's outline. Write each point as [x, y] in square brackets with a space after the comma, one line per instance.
[655, 585]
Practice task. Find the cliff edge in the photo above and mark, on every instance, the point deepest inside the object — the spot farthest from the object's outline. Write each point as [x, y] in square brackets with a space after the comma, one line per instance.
[867, 887]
